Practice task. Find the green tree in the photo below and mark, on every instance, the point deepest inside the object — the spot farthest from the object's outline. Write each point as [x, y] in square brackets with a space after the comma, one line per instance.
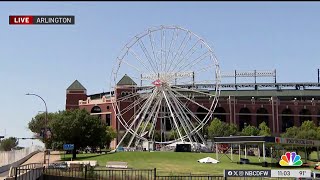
[264, 130]
[8, 144]
[307, 130]
[175, 135]
[250, 131]
[157, 135]
[110, 135]
[149, 125]
[290, 132]
[216, 128]
[38, 122]
[78, 127]
[219, 128]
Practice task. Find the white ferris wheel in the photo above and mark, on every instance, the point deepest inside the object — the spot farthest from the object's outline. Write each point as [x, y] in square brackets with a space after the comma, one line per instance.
[163, 71]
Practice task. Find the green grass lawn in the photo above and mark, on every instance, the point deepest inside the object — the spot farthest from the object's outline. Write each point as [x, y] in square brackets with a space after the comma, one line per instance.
[172, 162]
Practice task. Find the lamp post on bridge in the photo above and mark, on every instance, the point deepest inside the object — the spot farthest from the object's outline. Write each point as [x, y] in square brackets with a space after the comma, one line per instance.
[45, 123]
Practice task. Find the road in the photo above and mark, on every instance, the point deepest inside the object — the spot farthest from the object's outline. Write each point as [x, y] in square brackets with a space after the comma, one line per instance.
[37, 158]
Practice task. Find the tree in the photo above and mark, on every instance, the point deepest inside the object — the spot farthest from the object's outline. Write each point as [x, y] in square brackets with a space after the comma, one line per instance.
[250, 131]
[110, 135]
[307, 130]
[68, 125]
[219, 128]
[78, 127]
[264, 130]
[216, 128]
[38, 122]
[8, 143]
[290, 132]
[174, 134]
[231, 130]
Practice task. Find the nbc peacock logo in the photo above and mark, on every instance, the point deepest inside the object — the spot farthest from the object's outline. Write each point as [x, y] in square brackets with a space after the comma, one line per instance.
[290, 159]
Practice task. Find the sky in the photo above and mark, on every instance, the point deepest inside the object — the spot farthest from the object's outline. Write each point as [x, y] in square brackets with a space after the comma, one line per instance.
[46, 59]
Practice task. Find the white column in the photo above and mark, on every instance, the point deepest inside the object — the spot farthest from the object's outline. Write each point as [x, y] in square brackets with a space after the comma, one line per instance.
[263, 152]
[217, 155]
[231, 153]
[245, 151]
[239, 152]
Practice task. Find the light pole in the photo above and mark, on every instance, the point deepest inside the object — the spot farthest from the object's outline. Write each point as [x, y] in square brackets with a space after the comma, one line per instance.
[45, 123]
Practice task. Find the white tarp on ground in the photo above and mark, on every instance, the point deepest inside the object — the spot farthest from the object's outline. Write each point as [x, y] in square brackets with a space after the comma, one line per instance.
[208, 160]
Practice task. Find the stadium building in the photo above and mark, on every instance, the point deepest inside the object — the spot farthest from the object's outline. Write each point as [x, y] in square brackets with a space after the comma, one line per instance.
[280, 105]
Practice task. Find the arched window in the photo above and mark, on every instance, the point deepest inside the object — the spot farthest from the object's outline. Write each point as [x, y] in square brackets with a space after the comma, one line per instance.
[287, 119]
[244, 118]
[262, 116]
[96, 109]
[201, 113]
[219, 113]
[305, 115]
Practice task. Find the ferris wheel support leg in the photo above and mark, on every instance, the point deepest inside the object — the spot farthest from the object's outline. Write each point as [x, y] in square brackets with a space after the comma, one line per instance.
[182, 118]
[197, 132]
[189, 123]
[182, 121]
[130, 127]
[147, 121]
[174, 119]
[142, 118]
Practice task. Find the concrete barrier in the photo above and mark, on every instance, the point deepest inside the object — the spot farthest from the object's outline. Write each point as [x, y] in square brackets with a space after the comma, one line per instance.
[16, 160]
[9, 157]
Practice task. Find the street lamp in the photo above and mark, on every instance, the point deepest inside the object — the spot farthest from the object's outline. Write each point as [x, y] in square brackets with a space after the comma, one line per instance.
[45, 122]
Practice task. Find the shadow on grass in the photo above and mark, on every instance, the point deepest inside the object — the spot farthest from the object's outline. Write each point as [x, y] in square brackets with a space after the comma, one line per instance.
[81, 158]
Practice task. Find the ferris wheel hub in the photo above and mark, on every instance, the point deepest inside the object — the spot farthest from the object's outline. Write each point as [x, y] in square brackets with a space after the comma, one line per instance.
[157, 82]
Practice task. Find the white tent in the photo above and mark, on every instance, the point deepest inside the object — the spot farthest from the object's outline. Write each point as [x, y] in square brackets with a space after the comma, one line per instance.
[208, 160]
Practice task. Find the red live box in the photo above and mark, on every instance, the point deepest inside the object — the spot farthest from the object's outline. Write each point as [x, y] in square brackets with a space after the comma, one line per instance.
[20, 20]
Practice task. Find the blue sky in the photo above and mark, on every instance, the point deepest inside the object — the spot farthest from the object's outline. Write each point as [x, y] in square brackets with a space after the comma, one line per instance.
[46, 59]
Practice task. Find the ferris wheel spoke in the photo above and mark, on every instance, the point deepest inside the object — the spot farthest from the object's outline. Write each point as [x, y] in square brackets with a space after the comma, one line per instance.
[152, 42]
[119, 99]
[155, 117]
[195, 61]
[140, 60]
[132, 105]
[146, 53]
[153, 110]
[172, 115]
[180, 54]
[177, 52]
[182, 106]
[183, 118]
[194, 102]
[177, 112]
[161, 44]
[190, 112]
[130, 65]
[192, 50]
[142, 118]
[135, 114]
[173, 40]
[133, 122]
[165, 52]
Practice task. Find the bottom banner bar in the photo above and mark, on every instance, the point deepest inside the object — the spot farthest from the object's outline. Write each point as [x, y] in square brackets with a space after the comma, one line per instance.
[247, 173]
[291, 173]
